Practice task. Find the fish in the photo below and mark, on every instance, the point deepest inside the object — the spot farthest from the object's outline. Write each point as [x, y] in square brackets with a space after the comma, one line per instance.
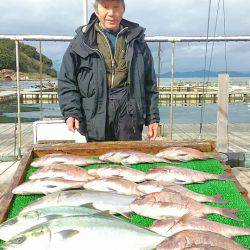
[118, 171]
[104, 201]
[183, 154]
[169, 203]
[113, 184]
[172, 225]
[93, 231]
[188, 238]
[130, 157]
[148, 187]
[23, 222]
[46, 186]
[64, 171]
[183, 176]
[64, 159]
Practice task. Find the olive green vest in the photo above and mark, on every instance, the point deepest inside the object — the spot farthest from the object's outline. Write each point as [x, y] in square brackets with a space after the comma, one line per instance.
[116, 67]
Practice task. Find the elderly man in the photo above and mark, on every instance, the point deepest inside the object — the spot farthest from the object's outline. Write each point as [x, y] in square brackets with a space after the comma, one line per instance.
[107, 85]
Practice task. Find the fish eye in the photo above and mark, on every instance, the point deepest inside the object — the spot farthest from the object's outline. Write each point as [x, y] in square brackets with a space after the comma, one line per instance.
[18, 240]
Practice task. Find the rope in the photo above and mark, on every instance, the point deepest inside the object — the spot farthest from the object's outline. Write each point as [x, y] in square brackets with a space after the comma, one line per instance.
[205, 66]
[215, 29]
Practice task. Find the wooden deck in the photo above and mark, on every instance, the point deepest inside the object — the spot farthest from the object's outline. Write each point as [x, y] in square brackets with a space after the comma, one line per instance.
[239, 136]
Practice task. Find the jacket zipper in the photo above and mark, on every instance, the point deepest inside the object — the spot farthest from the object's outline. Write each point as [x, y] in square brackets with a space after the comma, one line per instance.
[111, 55]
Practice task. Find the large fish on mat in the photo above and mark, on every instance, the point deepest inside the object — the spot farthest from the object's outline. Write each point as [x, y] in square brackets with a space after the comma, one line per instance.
[183, 154]
[190, 238]
[64, 159]
[149, 187]
[113, 184]
[91, 232]
[172, 225]
[105, 201]
[181, 175]
[168, 203]
[24, 221]
[46, 186]
[129, 157]
[67, 172]
[120, 171]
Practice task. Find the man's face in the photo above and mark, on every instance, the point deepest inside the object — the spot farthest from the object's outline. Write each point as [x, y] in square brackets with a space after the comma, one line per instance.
[110, 13]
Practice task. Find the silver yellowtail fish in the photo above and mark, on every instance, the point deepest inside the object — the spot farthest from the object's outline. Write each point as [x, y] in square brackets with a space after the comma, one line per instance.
[168, 203]
[93, 232]
[183, 154]
[172, 225]
[181, 175]
[65, 171]
[104, 201]
[149, 187]
[24, 221]
[129, 157]
[120, 171]
[46, 186]
[65, 159]
[113, 184]
[190, 238]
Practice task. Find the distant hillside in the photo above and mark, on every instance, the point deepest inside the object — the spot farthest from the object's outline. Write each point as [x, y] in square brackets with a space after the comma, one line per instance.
[28, 56]
[200, 74]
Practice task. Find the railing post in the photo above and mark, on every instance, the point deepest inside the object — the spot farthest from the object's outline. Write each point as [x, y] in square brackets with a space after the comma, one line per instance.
[41, 82]
[19, 129]
[172, 90]
[159, 65]
[222, 116]
[85, 12]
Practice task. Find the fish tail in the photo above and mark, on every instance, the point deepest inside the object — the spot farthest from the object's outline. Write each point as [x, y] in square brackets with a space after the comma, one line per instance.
[217, 198]
[227, 212]
[226, 176]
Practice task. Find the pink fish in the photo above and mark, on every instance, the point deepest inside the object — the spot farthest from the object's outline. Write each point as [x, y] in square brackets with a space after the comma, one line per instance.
[183, 154]
[67, 172]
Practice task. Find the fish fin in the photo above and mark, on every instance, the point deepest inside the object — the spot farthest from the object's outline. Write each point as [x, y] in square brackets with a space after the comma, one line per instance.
[66, 234]
[226, 177]
[105, 213]
[217, 198]
[127, 215]
[228, 212]
[187, 217]
[88, 205]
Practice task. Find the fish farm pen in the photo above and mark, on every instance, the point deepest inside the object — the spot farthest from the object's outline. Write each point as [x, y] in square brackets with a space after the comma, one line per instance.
[231, 191]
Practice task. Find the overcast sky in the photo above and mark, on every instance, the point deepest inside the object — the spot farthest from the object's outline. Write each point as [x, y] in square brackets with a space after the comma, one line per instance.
[159, 17]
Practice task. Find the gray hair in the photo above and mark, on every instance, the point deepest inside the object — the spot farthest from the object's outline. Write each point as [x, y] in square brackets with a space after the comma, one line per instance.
[98, 1]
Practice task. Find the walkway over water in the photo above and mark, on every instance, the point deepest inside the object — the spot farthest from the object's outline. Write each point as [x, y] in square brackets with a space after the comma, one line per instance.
[239, 136]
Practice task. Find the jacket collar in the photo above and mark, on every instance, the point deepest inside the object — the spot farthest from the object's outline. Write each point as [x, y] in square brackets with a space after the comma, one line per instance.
[84, 42]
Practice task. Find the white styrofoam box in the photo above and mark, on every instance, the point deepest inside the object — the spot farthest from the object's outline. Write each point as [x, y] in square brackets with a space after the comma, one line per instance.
[55, 130]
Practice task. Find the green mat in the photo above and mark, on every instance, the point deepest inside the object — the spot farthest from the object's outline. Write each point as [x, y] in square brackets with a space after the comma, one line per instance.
[226, 188]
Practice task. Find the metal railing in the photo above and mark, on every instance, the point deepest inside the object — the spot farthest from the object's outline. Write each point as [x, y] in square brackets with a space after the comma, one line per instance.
[158, 39]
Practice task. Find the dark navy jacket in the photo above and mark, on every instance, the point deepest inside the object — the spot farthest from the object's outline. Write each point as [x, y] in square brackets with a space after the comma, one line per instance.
[82, 86]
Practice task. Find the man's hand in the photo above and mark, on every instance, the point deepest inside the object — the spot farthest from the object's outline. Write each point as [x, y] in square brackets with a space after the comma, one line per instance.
[152, 131]
[72, 124]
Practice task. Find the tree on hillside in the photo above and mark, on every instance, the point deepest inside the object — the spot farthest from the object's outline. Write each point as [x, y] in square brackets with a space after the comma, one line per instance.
[28, 58]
